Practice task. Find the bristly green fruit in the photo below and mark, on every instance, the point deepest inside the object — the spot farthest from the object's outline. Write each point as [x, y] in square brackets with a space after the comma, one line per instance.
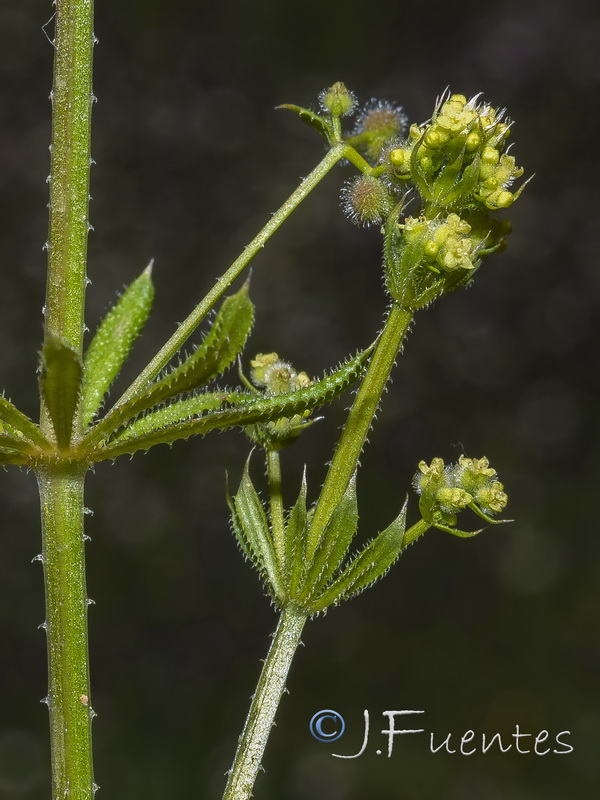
[378, 123]
[366, 200]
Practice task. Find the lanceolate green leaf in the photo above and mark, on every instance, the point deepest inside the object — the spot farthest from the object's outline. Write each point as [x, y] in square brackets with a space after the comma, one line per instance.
[112, 343]
[11, 415]
[8, 442]
[474, 507]
[60, 383]
[456, 531]
[314, 120]
[261, 410]
[219, 349]
[223, 343]
[295, 538]
[369, 565]
[334, 544]
[459, 193]
[180, 411]
[247, 548]
[250, 516]
[12, 457]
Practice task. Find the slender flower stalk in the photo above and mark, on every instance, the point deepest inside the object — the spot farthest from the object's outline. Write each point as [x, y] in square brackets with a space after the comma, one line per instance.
[359, 420]
[189, 325]
[287, 637]
[276, 500]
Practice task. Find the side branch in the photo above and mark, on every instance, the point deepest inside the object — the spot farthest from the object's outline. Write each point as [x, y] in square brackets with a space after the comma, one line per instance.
[189, 325]
[264, 706]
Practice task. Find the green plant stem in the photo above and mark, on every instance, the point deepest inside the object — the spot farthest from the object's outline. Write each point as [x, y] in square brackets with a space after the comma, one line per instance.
[356, 428]
[264, 705]
[413, 533]
[61, 499]
[61, 484]
[70, 171]
[189, 325]
[276, 501]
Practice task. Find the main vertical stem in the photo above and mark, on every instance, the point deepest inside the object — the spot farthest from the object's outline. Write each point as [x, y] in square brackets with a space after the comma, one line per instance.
[70, 171]
[61, 485]
[264, 705]
[61, 499]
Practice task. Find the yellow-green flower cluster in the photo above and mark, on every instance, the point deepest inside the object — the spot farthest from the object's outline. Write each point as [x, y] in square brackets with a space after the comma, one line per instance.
[276, 376]
[446, 244]
[458, 125]
[477, 477]
[496, 174]
[457, 159]
[447, 490]
[467, 121]
[454, 168]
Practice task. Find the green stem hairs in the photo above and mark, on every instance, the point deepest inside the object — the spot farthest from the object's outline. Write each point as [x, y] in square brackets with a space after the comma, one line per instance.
[434, 191]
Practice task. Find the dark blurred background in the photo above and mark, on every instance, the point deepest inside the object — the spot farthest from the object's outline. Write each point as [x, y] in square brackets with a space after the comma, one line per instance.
[191, 159]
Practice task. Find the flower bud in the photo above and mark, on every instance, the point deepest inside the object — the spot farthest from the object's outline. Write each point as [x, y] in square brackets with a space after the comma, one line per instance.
[496, 174]
[435, 139]
[472, 142]
[399, 161]
[490, 155]
[338, 100]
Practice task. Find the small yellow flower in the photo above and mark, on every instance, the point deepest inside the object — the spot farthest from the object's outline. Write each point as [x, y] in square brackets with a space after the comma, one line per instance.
[452, 500]
[477, 466]
[275, 375]
[492, 498]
